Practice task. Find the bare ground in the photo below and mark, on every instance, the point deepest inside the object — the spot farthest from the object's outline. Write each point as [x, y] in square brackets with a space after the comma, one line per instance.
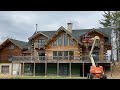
[115, 71]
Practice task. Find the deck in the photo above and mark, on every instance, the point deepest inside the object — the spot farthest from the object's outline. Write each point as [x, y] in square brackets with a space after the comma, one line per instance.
[32, 59]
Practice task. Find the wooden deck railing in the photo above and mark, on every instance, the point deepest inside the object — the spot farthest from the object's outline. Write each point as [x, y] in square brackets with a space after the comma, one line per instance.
[42, 58]
[58, 58]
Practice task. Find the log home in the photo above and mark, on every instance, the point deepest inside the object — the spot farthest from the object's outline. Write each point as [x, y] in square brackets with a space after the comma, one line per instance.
[60, 52]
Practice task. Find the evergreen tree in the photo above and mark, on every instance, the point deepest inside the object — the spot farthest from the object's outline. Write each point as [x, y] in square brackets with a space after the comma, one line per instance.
[112, 20]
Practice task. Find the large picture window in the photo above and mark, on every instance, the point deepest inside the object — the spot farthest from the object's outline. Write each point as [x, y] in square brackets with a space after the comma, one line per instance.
[55, 43]
[60, 40]
[71, 43]
[65, 40]
[63, 55]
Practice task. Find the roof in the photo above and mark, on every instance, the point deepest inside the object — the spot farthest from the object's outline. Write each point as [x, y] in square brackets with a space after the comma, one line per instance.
[76, 34]
[37, 33]
[20, 44]
[62, 28]
[79, 32]
[105, 31]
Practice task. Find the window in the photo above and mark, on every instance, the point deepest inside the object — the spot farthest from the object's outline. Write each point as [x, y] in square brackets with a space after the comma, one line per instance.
[41, 42]
[54, 54]
[65, 40]
[59, 54]
[60, 40]
[41, 55]
[55, 43]
[71, 43]
[71, 55]
[65, 54]
[11, 47]
[95, 56]
[10, 58]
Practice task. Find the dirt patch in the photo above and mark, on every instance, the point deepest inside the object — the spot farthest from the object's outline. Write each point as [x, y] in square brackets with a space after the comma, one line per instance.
[4, 76]
[115, 71]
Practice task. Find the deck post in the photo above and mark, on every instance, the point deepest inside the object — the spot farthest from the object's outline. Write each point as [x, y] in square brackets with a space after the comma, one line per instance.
[70, 68]
[111, 68]
[83, 68]
[45, 68]
[34, 69]
[57, 68]
[12, 69]
[23, 69]
[20, 69]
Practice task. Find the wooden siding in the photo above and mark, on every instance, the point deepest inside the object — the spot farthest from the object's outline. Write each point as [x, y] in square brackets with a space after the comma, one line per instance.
[102, 49]
[49, 48]
[5, 52]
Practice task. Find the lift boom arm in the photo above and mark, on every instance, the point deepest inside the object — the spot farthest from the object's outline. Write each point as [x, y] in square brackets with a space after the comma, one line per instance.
[93, 45]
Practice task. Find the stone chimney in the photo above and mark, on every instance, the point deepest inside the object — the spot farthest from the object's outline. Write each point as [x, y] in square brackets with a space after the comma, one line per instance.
[69, 27]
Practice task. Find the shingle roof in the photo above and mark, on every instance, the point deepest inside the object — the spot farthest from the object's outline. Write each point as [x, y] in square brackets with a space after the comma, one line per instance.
[75, 33]
[62, 28]
[20, 44]
[78, 32]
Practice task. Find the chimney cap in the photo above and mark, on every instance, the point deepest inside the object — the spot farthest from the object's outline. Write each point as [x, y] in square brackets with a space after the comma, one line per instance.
[69, 23]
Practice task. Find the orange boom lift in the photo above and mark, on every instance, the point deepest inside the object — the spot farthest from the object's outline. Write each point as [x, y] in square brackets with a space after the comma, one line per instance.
[95, 71]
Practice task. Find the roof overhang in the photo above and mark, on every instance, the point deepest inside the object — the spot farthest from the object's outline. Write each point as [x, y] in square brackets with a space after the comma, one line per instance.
[38, 33]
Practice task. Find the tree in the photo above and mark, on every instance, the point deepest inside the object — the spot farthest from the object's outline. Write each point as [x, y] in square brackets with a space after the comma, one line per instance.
[112, 20]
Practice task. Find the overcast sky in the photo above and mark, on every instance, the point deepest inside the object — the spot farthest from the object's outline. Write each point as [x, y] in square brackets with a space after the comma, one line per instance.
[21, 25]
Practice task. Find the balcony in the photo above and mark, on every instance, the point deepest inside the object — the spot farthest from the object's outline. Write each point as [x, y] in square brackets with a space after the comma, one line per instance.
[43, 59]
[60, 59]
[38, 45]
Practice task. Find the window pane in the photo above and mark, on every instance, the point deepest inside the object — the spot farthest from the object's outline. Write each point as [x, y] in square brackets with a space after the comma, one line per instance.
[11, 47]
[41, 42]
[54, 54]
[59, 54]
[55, 43]
[71, 56]
[60, 40]
[71, 43]
[41, 55]
[65, 40]
[65, 54]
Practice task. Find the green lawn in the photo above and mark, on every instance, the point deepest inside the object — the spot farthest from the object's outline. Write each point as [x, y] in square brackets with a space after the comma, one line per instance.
[43, 77]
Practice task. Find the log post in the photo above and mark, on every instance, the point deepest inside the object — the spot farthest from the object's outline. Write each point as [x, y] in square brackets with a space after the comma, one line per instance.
[23, 69]
[70, 68]
[83, 68]
[57, 68]
[45, 68]
[34, 69]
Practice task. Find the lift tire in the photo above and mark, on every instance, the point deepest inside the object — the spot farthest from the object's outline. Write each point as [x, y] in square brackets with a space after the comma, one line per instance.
[104, 76]
[88, 75]
[91, 76]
